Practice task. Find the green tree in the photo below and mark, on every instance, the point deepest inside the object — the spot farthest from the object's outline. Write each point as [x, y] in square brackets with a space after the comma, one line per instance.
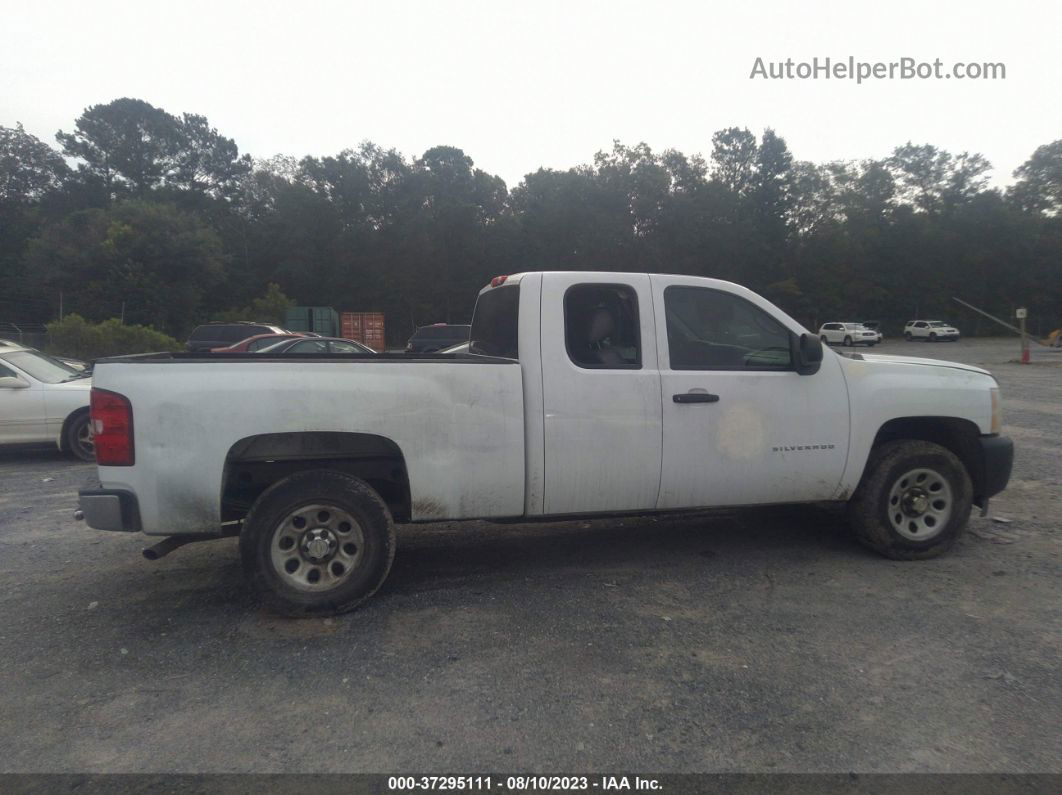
[29, 168]
[933, 180]
[734, 155]
[207, 162]
[130, 146]
[270, 307]
[1039, 185]
[30, 172]
[149, 263]
[127, 145]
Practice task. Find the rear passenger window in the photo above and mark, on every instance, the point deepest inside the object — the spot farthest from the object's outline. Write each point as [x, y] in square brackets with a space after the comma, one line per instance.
[601, 326]
[712, 330]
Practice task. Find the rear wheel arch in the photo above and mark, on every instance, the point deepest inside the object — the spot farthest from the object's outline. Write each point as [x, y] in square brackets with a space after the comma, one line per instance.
[255, 463]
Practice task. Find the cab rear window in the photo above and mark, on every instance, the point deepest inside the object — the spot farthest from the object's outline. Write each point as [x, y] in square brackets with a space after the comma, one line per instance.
[496, 323]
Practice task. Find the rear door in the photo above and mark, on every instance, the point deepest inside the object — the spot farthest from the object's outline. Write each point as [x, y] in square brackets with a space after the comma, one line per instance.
[740, 425]
[601, 394]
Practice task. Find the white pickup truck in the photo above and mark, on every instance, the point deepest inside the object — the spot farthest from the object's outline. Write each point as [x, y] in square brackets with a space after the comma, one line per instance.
[582, 394]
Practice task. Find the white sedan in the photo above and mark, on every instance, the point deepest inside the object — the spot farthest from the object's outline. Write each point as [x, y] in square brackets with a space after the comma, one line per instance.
[44, 400]
[848, 334]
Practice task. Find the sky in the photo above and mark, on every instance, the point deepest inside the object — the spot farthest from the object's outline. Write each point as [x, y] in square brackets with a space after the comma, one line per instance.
[525, 85]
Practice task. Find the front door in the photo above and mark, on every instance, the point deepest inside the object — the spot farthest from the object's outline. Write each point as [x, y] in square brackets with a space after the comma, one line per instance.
[740, 425]
[21, 410]
[601, 394]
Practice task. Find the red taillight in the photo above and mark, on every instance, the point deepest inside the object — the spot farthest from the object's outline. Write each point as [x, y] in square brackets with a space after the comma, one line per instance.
[498, 280]
[112, 428]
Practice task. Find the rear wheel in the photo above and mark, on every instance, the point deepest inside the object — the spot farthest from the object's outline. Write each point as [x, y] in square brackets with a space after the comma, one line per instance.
[824, 340]
[932, 336]
[914, 500]
[317, 543]
[848, 342]
[79, 437]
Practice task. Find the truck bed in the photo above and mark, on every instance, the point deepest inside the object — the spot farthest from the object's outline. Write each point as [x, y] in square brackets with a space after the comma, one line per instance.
[457, 420]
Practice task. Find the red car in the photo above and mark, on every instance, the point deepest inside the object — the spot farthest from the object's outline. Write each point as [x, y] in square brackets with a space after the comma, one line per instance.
[256, 343]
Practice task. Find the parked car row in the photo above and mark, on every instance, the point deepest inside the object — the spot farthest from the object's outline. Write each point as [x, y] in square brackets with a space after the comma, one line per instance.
[248, 337]
[869, 332]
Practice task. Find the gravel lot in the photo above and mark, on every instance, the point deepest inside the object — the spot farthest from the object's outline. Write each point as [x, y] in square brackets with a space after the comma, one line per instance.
[730, 641]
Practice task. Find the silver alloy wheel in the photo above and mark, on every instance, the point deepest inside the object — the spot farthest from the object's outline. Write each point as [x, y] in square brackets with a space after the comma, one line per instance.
[85, 440]
[920, 504]
[316, 547]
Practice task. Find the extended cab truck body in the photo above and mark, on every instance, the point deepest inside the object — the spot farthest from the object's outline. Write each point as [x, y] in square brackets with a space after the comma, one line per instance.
[584, 393]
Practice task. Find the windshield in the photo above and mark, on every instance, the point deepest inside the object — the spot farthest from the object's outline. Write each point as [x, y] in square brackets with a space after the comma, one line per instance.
[43, 368]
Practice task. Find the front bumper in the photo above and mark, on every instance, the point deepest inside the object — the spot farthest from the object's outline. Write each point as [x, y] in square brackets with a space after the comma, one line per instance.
[110, 509]
[997, 459]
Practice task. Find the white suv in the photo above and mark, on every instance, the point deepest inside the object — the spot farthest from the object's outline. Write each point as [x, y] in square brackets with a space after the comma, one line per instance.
[848, 334]
[931, 330]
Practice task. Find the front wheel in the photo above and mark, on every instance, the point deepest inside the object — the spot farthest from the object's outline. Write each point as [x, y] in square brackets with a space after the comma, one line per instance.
[319, 542]
[914, 500]
[79, 439]
[848, 342]
[932, 337]
[907, 336]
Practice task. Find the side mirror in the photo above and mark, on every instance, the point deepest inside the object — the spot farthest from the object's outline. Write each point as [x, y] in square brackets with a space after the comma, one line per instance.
[807, 354]
[12, 382]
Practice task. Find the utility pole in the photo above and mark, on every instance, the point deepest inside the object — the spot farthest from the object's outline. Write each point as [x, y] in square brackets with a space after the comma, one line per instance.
[123, 313]
[1021, 315]
[60, 304]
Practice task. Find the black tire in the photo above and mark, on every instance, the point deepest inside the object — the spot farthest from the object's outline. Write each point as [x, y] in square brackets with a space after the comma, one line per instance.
[335, 494]
[907, 336]
[871, 512]
[932, 336]
[848, 342]
[824, 340]
[79, 437]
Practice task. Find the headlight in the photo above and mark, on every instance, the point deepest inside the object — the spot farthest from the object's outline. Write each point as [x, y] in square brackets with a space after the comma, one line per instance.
[997, 411]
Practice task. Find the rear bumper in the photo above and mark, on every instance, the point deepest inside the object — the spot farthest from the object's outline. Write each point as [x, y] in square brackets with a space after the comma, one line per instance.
[110, 509]
[997, 459]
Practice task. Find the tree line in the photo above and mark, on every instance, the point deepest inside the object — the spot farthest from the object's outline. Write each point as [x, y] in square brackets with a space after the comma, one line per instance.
[159, 220]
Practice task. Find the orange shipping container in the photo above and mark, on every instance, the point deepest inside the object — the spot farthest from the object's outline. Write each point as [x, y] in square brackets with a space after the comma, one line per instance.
[366, 327]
